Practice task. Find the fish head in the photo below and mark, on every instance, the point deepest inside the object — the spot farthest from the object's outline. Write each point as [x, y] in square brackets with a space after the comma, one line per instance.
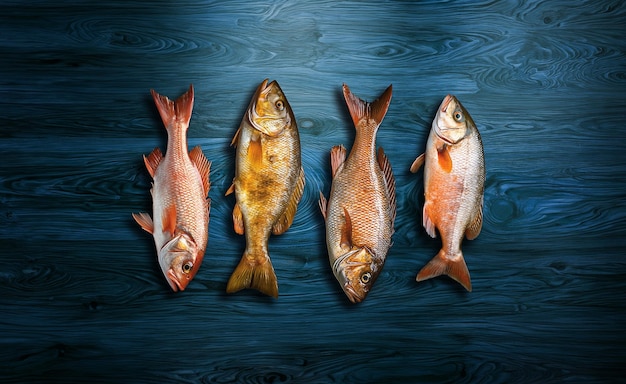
[452, 122]
[269, 112]
[356, 272]
[180, 259]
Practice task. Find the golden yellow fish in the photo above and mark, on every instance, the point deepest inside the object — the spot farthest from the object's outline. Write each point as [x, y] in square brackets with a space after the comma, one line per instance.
[361, 208]
[179, 196]
[268, 184]
[454, 179]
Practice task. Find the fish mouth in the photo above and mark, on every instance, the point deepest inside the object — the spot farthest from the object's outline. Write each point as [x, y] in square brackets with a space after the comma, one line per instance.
[173, 281]
[446, 102]
[352, 295]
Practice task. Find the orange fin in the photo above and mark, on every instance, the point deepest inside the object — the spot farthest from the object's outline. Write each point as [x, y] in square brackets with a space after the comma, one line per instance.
[238, 220]
[427, 221]
[390, 181]
[445, 161]
[169, 219]
[473, 230]
[417, 164]
[230, 189]
[250, 273]
[442, 265]
[346, 231]
[337, 157]
[286, 219]
[178, 111]
[203, 165]
[233, 142]
[360, 109]
[255, 150]
[145, 221]
[323, 203]
[153, 160]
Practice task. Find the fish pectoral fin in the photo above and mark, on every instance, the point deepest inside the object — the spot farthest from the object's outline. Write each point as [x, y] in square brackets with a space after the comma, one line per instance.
[323, 203]
[233, 142]
[169, 219]
[238, 220]
[473, 230]
[203, 166]
[346, 231]
[444, 159]
[360, 109]
[286, 219]
[337, 157]
[418, 163]
[428, 222]
[442, 265]
[390, 181]
[174, 111]
[152, 160]
[255, 150]
[145, 221]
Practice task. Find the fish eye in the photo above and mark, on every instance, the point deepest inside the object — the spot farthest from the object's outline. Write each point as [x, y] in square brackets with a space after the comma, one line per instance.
[458, 116]
[187, 267]
[280, 105]
[366, 277]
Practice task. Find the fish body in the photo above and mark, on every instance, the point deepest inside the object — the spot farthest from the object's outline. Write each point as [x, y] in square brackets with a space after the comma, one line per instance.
[361, 207]
[179, 195]
[454, 178]
[268, 184]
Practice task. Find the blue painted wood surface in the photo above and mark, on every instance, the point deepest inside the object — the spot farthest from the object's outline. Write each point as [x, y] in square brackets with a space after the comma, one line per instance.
[81, 295]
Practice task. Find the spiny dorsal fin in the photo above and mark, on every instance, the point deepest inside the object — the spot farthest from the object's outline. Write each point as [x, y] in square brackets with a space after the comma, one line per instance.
[360, 109]
[286, 219]
[390, 181]
[153, 160]
[203, 165]
[174, 111]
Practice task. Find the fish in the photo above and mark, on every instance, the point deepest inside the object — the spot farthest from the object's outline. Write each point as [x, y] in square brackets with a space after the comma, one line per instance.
[454, 183]
[180, 188]
[268, 184]
[360, 211]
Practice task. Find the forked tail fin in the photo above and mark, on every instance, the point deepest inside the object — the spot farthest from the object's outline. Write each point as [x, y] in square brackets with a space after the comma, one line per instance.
[442, 265]
[255, 274]
[173, 112]
[362, 110]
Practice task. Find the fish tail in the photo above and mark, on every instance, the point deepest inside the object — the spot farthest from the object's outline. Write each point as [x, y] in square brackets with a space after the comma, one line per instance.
[256, 273]
[361, 109]
[443, 265]
[178, 111]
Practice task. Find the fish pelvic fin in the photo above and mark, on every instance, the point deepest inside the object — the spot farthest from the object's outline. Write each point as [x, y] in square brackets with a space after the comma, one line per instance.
[390, 182]
[173, 112]
[145, 221]
[255, 273]
[441, 264]
[286, 219]
[418, 163]
[362, 110]
[203, 166]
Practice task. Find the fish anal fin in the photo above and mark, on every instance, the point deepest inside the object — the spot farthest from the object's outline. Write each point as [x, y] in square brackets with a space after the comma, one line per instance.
[238, 220]
[255, 150]
[178, 111]
[286, 219]
[153, 160]
[169, 219]
[455, 268]
[256, 273]
[390, 181]
[473, 230]
[443, 156]
[418, 163]
[346, 231]
[323, 203]
[337, 157]
[362, 110]
[203, 166]
[145, 221]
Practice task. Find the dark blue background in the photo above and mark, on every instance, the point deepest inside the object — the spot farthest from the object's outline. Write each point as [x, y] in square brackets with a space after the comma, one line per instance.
[81, 295]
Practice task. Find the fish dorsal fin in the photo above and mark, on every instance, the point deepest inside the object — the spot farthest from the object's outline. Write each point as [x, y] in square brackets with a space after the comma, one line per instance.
[361, 109]
[417, 164]
[337, 158]
[174, 111]
[445, 161]
[255, 150]
[238, 220]
[346, 231]
[204, 167]
[153, 160]
[286, 219]
[145, 221]
[390, 181]
[323, 203]
[169, 219]
[473, 230]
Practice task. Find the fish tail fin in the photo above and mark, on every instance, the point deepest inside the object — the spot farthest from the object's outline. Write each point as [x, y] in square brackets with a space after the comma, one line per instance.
[256, 273]
[361, 109]
[174, 112]
[443, 265]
